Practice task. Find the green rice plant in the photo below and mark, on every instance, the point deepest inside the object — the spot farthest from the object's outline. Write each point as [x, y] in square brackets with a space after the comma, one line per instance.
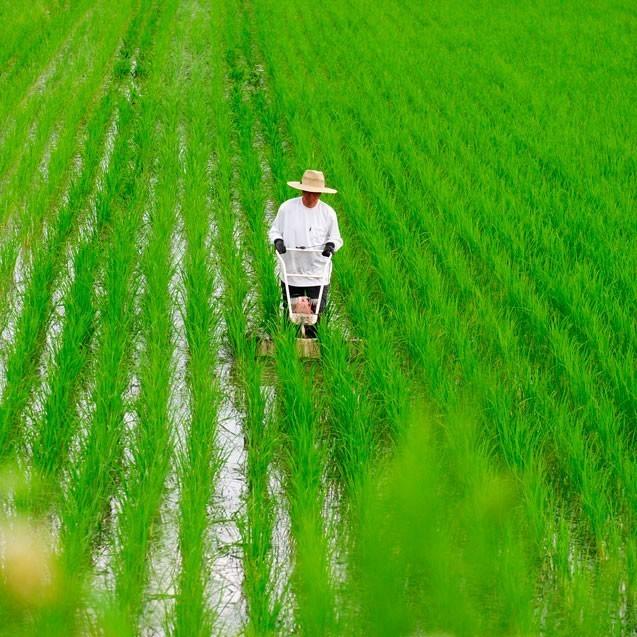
[200, 461]
[264, 602]
[245, 80]
[59, 422]
[353, 435]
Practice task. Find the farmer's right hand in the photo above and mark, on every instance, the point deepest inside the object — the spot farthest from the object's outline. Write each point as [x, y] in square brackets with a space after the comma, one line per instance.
[280, 246]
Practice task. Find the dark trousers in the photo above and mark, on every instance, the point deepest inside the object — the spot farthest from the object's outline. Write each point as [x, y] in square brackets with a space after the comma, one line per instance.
[311, 291]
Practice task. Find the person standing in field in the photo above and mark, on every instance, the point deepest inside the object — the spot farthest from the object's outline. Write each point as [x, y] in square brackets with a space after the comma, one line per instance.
[307, 222]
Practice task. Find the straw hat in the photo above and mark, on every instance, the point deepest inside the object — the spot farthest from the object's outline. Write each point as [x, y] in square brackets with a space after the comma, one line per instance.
[313, 181]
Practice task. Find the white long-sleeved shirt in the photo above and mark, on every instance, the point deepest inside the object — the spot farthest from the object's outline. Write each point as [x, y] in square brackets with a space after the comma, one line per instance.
[300, 226]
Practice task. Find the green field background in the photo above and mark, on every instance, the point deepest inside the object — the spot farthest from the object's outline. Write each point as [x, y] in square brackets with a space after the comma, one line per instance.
[461, 458]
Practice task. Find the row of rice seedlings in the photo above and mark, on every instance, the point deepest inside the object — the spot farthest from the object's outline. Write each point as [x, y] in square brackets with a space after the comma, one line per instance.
[265, 571]
[200, 460]
[302, 459]
[163, 559]
[256, 525]
[94, 479]
[246, 81]
[250, 524]
[151, 452]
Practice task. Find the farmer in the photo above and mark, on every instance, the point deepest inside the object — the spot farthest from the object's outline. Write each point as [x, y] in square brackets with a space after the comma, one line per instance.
[307, 222]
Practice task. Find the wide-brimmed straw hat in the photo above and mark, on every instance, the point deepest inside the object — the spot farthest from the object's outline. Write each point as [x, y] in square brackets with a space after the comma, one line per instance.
[312, 181]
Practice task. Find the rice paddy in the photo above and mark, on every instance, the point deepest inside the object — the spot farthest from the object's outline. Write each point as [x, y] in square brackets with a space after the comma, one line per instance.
[461, 458]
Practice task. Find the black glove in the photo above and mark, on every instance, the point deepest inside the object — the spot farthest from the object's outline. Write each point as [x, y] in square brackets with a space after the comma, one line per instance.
[280, 246]
[328, 251]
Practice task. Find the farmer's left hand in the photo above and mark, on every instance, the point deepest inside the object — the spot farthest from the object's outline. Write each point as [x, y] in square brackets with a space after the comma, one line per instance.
[328, 250]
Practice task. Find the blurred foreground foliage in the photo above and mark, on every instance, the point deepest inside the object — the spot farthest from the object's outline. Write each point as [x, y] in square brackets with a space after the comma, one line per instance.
[441, 545]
